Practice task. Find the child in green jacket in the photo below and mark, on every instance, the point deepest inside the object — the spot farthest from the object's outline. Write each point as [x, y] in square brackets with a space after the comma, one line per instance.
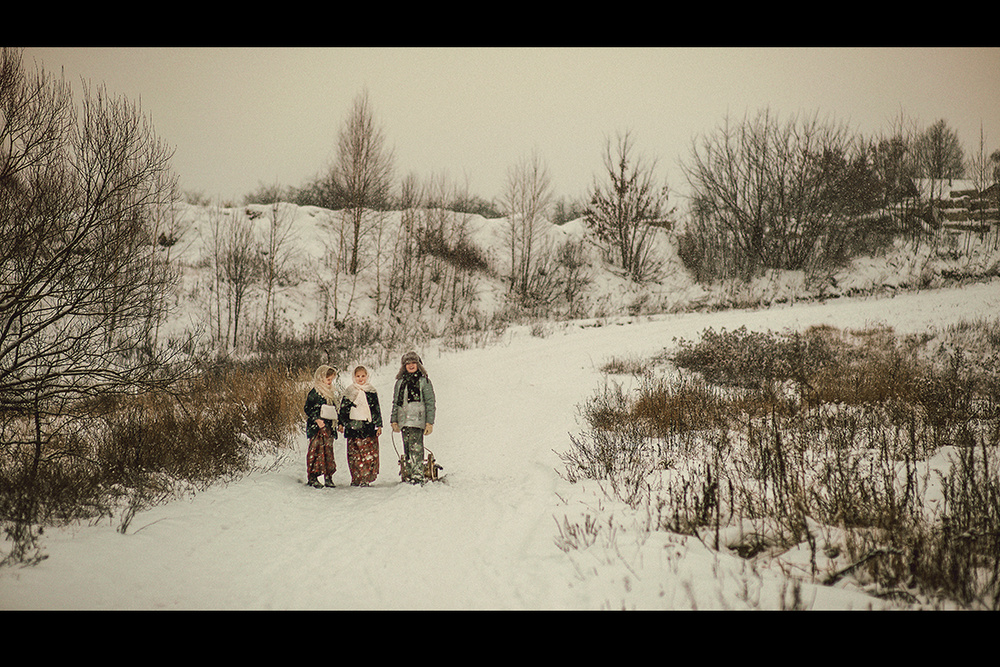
[413, 413]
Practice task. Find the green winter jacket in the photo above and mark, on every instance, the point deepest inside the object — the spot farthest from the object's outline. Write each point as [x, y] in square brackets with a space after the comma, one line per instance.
[413, 414]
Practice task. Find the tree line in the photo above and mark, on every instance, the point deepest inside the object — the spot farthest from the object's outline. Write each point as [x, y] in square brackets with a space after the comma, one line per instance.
[797, 193]
[805, 194]
[764, 193]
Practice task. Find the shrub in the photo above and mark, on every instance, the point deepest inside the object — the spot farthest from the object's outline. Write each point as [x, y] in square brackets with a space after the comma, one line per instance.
[124, 453]
[461, 252]
[878, 453]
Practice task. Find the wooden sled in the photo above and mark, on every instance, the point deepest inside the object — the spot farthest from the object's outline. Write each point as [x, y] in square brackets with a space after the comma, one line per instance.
[431, 468]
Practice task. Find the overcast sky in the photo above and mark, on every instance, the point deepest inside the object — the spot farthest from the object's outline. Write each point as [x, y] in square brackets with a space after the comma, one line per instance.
[241, 117]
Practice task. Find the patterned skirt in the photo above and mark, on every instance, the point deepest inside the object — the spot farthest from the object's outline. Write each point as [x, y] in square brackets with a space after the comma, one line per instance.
[319, 458]
[362, 459]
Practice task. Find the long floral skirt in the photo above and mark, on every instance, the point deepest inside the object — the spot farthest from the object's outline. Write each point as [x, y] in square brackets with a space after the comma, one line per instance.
[362, 459]
[319, 458]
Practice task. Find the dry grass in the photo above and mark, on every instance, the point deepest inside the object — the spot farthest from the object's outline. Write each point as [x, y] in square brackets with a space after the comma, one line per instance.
[823, 438]
[121, 454]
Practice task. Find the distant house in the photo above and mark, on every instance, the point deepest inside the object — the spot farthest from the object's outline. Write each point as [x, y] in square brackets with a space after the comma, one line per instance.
[991, 193]
[943, 188]
[959, 206]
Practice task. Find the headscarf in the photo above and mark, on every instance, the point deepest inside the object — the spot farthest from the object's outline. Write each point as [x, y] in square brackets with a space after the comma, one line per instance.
[328, 392]
[356, 394]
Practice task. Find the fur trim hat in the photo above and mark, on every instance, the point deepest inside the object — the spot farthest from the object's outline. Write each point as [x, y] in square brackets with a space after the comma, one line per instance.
[411, 358]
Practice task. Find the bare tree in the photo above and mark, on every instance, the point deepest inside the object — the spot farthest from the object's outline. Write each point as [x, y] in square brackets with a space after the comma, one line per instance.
[240, 267]
[164, 233]
[625, 211]
[894, 161]
[277, 258]
[894, 166]
[525, 201]
[77, 270]
[939, 155]
[237, 267]
[771, 195]
[217, 229]
[980, 168]
[79, 185]
[404, 256]
[363, 171]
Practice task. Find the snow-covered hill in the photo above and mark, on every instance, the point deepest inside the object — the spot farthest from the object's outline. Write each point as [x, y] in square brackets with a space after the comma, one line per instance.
[299, 298]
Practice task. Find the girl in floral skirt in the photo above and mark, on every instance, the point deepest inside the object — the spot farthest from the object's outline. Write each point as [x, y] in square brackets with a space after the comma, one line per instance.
[320, 431]
[360, 419]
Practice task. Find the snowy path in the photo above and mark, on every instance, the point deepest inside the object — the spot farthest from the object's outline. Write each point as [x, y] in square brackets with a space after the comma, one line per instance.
[483, 540]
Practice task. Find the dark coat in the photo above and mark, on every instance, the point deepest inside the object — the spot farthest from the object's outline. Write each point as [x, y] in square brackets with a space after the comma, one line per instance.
[314, 400]
[354, 428]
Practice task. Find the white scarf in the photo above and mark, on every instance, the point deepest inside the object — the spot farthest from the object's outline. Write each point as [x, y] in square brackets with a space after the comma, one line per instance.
[361, 410]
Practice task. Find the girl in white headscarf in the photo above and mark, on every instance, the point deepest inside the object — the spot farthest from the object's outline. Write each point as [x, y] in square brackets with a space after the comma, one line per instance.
[360, 419]
[320, 429]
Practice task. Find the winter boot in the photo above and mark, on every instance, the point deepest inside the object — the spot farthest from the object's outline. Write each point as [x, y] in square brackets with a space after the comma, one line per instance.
[314, 482]
[329, 482]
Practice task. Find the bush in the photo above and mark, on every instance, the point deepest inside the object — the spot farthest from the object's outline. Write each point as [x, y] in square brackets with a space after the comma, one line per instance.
[461, 252]
[126, 453]
[474, 205]
[876, 453]
[797, 194]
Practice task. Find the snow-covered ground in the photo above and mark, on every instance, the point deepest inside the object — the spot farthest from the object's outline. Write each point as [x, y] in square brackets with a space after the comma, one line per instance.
[486, 539]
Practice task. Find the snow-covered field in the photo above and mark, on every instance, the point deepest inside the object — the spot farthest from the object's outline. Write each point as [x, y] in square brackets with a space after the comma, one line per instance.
[486, 538]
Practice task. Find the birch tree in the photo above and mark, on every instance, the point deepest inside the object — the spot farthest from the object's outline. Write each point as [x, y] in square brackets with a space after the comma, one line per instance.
[940, 156]
[363, 171]
[525, 201]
